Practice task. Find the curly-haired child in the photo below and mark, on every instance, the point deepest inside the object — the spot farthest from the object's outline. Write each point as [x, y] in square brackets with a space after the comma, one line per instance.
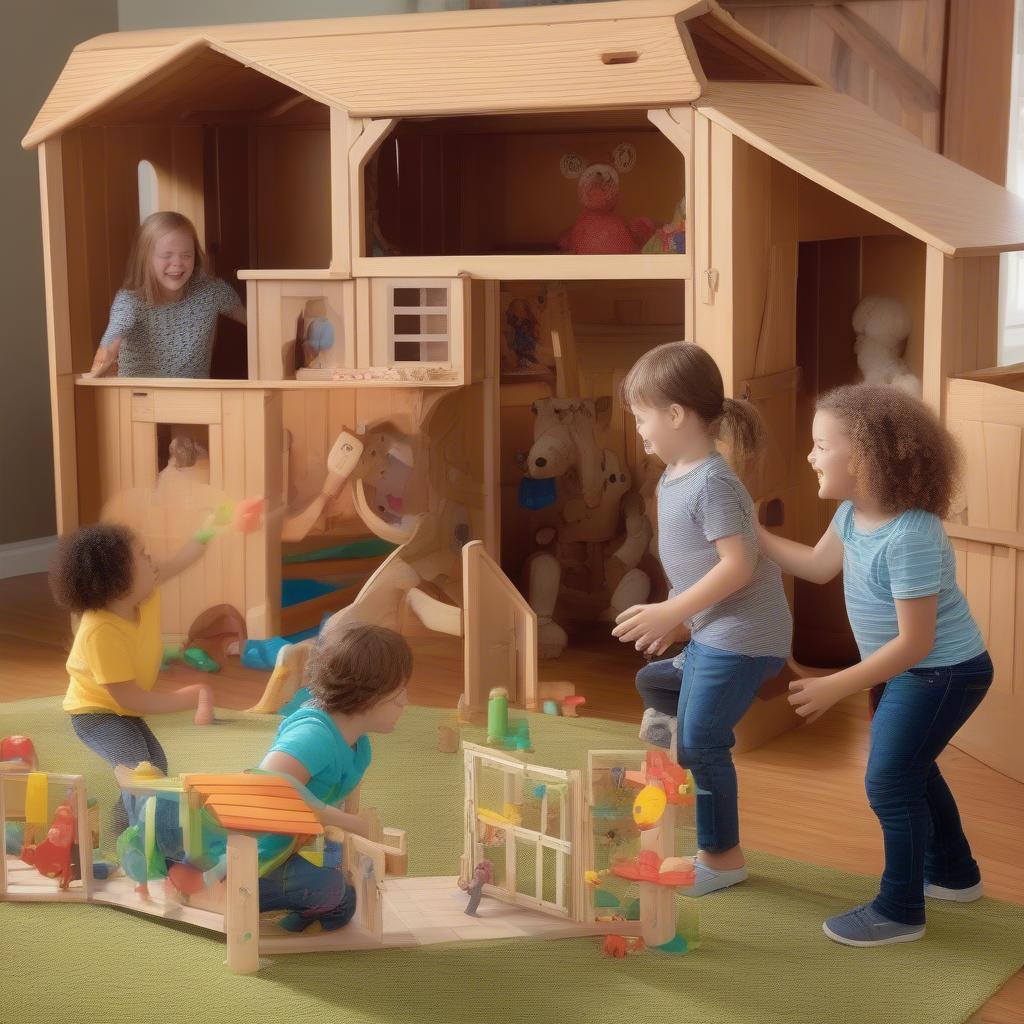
[892, 466]
[104, 574]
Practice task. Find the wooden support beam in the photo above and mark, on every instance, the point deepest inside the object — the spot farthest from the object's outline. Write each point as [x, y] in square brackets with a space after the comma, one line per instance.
[867, 42]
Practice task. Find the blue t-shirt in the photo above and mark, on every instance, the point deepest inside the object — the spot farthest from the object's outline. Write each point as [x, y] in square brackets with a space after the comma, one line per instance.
[335, 768]
[909, 556]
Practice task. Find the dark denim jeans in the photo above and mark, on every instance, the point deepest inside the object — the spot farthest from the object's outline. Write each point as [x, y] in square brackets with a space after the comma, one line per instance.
[318, 894]
[919, 713]
[709, 696]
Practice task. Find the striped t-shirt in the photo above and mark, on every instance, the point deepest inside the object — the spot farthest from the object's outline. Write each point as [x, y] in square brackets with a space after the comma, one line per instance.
[694, 510]
[909, 556]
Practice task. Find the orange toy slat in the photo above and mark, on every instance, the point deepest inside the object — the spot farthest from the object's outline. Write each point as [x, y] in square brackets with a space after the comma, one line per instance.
[243, 823]
[297, 816]
[283, 803]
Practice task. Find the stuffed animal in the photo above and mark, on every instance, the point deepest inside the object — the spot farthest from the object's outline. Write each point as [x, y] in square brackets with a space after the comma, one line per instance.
[670, 237]
[882, 324]
[599, 229]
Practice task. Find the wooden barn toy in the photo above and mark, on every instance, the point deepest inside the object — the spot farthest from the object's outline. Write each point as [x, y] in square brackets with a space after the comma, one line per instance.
[455, 233]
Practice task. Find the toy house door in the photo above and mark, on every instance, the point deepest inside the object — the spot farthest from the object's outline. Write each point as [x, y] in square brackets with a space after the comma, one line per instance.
[499, 633]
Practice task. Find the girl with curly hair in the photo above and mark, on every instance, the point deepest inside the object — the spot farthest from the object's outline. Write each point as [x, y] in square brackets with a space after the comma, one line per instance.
[104, 574]
[893, 467]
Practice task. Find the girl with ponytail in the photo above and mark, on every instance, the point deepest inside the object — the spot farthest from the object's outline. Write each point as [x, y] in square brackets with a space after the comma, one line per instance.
[726, 598]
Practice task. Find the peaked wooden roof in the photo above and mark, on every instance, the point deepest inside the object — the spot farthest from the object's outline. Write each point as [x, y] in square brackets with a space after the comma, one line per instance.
[849, 149]
[630, 53]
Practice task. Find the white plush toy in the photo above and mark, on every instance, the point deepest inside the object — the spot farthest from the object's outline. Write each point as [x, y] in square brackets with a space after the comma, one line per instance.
[882, 325]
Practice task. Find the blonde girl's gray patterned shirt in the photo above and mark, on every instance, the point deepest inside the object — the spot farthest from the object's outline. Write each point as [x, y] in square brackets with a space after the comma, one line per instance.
[173, 340]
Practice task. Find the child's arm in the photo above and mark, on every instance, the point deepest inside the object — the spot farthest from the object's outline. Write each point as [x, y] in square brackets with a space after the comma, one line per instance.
[646, 624]
[278, 761]
[190, 552]
[106, 356]
[133, 698]
[819, 564]
[915, 618]
[237, 314]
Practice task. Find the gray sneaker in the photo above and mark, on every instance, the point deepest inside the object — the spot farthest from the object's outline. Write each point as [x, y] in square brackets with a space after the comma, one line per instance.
[864, 926]
[658, 729]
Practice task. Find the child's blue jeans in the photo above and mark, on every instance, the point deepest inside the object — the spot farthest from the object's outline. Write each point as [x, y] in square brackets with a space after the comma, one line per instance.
[317, 894]
[709, 696]
[919, 713]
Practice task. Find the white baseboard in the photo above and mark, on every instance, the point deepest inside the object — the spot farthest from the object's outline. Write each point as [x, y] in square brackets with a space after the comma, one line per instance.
[26, 556]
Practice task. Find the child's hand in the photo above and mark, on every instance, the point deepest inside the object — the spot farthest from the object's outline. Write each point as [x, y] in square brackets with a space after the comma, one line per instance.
[644, 625]
[813, 697]
[674, 636]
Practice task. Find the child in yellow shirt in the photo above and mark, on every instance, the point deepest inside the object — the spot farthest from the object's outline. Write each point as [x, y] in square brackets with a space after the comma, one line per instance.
[104, 573]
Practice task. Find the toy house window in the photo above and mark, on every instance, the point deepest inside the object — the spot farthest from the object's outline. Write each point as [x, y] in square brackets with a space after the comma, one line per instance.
[183, 450]
[419, 321]
[148, 192]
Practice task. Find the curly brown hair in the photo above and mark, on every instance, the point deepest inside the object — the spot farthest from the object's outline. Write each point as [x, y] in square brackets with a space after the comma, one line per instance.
[354, 665]
[908, 458]
[92, 567]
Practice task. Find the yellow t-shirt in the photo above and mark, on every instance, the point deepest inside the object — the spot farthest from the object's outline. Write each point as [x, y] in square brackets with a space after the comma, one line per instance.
[109, 649]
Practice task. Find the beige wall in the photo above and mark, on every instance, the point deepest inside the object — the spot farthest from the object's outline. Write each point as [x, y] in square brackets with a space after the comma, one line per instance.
[36, 41]
[137, 14]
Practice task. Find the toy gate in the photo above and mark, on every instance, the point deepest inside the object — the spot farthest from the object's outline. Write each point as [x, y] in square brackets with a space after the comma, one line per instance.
[532, 855]
[558, 842]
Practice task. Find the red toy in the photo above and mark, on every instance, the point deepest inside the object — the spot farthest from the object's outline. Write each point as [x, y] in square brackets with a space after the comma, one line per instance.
[599, 229]
[53, 856]
[18, 748]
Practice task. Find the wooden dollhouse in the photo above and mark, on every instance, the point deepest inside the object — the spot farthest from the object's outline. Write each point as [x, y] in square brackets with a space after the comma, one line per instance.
[395, 195]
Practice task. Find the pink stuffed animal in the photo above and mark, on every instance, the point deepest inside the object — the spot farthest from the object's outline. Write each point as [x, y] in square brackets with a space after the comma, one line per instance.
[599, 229]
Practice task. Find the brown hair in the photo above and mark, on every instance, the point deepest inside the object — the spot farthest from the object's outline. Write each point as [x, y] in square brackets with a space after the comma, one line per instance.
[908, 459]
[93, 566]
[354, 665]
[139, 277]
[681, 373]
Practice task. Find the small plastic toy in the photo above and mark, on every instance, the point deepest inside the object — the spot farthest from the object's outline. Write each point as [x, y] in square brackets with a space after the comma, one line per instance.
[53, 856]
[483, 874]
[500, 732]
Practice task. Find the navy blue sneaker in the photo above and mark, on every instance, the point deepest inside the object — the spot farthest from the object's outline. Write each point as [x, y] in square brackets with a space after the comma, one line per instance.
[864, 926]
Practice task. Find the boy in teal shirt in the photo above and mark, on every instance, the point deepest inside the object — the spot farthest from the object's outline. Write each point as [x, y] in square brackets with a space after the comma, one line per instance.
[357, 676]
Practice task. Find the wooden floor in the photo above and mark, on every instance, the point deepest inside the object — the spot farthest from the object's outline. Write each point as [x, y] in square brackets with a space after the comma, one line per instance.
[801, 795]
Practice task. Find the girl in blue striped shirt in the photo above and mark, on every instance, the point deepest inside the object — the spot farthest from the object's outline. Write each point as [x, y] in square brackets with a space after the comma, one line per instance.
[892, 466]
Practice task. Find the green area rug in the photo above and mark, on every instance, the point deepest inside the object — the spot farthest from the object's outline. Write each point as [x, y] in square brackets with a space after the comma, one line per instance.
[762, 958]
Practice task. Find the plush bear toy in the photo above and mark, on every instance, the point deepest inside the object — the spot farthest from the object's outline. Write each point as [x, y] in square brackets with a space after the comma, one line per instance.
[882, 324]
[599, 229]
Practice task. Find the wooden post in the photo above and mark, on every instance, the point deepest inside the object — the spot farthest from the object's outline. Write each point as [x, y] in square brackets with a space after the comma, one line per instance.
[242, 917]
[3, 834]
[58, 330]
[658, 902]
[84, 836]
[341, 193]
